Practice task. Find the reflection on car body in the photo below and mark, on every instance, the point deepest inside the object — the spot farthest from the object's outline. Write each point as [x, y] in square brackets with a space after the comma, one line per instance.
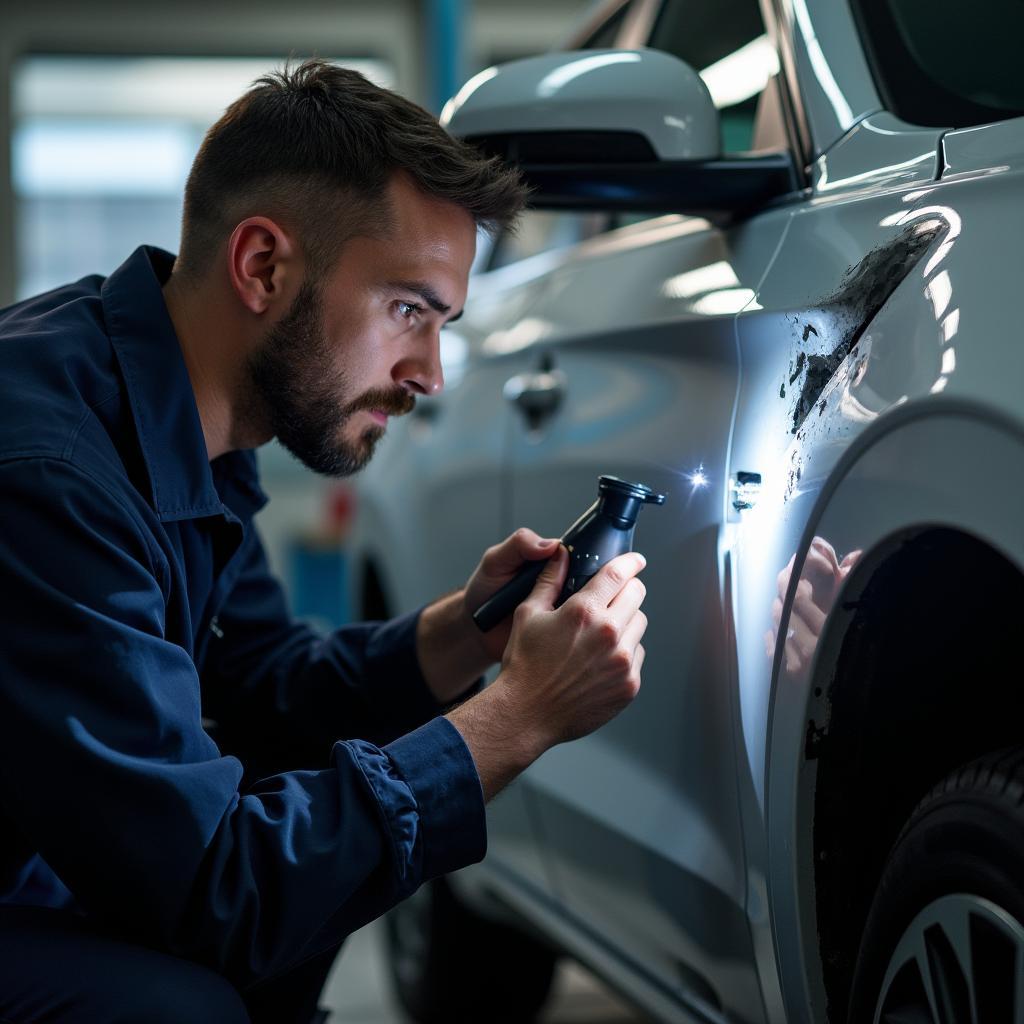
[749, 842]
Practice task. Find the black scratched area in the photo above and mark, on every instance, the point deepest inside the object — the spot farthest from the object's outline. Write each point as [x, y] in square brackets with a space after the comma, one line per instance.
[862, 293]
[801, 361]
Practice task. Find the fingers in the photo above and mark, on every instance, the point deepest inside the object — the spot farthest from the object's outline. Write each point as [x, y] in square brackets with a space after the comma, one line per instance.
[638, 660]
[609, 580]
[808, 609]
[849, 562]
[522, 546]
[821, 549]
[633, 632]
[549, 584]
[625, 604]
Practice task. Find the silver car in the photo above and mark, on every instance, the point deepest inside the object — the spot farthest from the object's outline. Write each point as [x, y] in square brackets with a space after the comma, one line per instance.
[771, 272]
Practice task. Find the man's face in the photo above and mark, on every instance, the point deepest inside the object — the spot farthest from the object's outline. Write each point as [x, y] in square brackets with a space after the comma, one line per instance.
[360, 345]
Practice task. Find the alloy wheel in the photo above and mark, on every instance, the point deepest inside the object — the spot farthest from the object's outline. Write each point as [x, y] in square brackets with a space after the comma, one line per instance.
[960, 961]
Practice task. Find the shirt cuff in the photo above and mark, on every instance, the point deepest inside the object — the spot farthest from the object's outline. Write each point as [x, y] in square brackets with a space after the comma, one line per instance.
[439, 769]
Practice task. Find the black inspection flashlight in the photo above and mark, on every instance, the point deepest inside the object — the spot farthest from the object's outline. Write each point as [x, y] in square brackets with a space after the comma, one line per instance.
[602, 532]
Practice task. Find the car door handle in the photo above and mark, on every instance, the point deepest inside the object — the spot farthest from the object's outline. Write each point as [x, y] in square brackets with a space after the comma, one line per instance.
[538, 395]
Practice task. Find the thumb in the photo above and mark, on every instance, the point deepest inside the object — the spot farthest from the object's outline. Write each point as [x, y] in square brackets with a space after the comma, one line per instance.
[549, 584]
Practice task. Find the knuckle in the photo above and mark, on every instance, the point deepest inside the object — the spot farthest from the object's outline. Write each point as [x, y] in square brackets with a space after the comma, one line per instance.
[522, 614]
[581, 613]
[522, 534]
[622, 661]
[608, 632]
[615, 574]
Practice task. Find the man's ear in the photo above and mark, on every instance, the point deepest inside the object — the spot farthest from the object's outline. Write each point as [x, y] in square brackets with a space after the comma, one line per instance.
[263, 264]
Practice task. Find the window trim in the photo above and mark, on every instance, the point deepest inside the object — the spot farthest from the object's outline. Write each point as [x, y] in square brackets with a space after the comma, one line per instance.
[594, 23]
[779, 26]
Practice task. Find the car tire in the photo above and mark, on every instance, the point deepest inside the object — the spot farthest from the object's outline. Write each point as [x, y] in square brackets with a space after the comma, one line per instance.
[944, 939]
[448, 965]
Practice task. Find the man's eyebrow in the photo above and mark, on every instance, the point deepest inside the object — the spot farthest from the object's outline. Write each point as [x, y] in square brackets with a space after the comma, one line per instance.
[428, 295]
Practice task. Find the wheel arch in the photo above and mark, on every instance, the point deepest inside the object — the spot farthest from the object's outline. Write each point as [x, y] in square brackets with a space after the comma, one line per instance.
[933, 494]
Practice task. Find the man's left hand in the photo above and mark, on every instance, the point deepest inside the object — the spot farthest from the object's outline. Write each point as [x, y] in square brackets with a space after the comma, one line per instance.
[499, 565]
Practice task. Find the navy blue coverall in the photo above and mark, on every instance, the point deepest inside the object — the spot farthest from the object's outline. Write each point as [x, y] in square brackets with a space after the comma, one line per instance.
[135, 602]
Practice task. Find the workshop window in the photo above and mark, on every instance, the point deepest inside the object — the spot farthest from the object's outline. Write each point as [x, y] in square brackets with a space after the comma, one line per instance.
[725, 41]
[101, 150]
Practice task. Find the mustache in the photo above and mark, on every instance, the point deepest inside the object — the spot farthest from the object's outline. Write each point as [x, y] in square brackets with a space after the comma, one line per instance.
[392, 401]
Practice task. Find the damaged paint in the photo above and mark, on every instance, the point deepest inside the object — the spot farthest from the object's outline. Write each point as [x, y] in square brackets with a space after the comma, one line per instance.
[794, 372]
[844, 316]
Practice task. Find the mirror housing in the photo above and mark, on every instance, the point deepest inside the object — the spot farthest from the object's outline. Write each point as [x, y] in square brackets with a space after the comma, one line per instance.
[614, 130]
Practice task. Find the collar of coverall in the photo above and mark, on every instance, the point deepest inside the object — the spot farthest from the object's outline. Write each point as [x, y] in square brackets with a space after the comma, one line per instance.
[184, 484]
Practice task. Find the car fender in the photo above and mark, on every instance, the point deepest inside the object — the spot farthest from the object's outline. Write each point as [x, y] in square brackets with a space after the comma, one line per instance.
[945, 462]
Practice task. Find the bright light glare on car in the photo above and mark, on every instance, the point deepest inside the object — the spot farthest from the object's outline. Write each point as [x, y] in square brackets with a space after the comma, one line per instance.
[698, 478]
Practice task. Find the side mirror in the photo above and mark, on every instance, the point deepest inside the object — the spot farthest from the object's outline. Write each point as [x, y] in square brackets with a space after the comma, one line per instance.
[616, 130]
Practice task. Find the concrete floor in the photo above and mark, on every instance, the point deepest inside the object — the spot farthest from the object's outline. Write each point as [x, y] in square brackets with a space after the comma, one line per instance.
[357, 991]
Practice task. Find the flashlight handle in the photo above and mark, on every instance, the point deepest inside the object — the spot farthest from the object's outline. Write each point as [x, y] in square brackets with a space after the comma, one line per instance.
[501, 604]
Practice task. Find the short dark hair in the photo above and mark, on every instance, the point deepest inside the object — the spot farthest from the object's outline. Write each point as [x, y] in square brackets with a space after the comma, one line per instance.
[316, 145]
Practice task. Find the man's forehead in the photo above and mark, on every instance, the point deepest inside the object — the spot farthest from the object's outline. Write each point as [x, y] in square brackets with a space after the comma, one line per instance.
[414, 211]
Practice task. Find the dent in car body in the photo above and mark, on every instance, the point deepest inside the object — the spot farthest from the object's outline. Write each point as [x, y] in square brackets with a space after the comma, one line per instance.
[862, 293]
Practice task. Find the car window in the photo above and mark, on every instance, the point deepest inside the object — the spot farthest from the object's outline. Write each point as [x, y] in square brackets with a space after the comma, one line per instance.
[945, 63]
[606, 34]
[541, 230]
[725, 41]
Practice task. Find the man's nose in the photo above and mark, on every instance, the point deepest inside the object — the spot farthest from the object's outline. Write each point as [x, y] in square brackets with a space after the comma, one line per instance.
[420, 371]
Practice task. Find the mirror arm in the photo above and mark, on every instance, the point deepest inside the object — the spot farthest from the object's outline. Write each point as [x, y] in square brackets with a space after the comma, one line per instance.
[721, 189]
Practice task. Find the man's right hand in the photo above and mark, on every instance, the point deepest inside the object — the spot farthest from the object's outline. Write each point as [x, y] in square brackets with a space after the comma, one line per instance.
[565, 672]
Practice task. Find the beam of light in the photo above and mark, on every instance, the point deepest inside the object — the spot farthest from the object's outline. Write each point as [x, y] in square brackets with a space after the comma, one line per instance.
[698, 478]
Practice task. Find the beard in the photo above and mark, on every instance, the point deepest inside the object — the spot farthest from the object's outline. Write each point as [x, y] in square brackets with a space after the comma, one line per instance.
[291, 386]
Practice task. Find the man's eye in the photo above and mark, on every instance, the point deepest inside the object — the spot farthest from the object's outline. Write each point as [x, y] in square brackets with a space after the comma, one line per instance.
[408, 309]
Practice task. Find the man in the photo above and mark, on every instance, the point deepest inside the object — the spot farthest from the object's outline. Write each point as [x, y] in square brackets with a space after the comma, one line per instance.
[148, 873]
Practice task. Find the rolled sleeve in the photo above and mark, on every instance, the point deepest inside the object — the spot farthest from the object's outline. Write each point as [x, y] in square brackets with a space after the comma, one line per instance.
[430, 795]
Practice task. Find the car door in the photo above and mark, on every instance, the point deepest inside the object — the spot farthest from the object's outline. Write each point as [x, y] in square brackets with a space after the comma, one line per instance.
[631, 369]
[456, 457]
